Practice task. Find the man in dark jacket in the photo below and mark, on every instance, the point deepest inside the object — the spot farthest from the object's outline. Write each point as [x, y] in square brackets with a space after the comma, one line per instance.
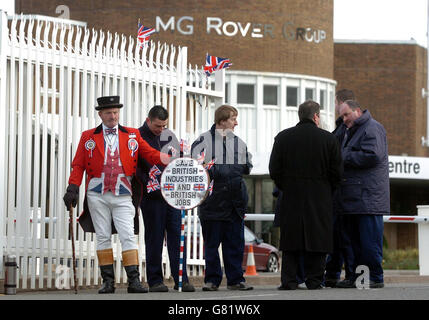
[305, 164]
[222, 213]
[158, 217]
[363, 197]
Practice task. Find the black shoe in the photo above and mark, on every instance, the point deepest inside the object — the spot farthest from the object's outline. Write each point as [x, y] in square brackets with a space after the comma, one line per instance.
[346, 284]
[376, 285]
[186, 287]
[331, 283]
[318, 287]
[159, 287]
[210, 287]
[108, 275]
[285, 287]
[107, 287]
[134, 284]
[240, 286]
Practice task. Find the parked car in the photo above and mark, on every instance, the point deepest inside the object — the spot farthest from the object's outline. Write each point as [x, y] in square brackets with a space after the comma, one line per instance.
[266, 255]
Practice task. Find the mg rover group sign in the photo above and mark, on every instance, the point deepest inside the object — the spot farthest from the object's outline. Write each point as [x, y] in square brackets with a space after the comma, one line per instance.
[184, 183]
[216, 25]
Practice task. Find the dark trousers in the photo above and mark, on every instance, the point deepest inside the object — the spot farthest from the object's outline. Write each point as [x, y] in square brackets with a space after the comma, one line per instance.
[334, 262]
[300, 273]
[363, 236]
[314, 268]
[159, 218]
[231, 235]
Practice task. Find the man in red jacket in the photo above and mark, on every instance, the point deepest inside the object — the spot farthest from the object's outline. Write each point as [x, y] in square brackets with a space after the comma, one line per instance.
[109, 156]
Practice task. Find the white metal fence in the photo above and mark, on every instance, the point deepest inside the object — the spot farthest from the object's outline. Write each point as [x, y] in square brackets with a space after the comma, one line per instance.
[422, 219]
[50, 76]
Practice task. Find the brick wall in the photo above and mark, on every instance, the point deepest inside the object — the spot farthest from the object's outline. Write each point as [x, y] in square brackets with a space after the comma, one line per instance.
[274, 54]
[388, 80]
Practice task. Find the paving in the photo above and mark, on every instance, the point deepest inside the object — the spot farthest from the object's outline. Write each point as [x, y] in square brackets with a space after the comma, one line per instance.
[399, 285]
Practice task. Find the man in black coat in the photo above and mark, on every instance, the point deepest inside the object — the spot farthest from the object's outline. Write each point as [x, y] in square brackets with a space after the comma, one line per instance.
[305, 164]
[222, 212]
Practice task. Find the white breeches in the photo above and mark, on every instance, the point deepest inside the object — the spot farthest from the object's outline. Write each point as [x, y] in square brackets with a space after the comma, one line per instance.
[103, 209]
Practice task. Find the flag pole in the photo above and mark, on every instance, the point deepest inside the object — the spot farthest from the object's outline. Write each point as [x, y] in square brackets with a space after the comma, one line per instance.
[182, 245]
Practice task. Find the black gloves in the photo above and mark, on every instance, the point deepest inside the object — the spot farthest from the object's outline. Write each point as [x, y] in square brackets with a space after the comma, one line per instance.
[72, 196]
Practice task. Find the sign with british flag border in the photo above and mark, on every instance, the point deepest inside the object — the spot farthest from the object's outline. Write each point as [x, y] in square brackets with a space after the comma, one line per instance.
[184, 183]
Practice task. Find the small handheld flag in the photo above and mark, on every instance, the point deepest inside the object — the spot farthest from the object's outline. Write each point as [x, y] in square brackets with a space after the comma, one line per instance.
[173, 151]
[185, 149]
[211, 187]
[153, 172]
[210, 164]
[201, 158]
[153, 185]
[215, 64]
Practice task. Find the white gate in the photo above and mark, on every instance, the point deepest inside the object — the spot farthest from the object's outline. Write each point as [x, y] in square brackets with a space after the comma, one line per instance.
[50, 76]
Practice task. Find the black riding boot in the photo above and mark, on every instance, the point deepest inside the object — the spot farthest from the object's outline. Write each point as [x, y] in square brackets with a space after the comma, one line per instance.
[108, 275]
[134, 284]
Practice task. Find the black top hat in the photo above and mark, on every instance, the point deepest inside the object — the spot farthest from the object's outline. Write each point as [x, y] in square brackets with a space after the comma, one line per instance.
[108, 102]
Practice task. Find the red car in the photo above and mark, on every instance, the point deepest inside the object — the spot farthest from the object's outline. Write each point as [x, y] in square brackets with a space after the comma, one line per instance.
[266, 255]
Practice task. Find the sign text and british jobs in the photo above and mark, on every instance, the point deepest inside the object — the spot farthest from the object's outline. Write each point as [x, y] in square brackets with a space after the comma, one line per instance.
[184, 183]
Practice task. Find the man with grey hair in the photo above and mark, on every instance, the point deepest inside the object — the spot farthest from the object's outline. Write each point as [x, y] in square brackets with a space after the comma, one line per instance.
[305, 164]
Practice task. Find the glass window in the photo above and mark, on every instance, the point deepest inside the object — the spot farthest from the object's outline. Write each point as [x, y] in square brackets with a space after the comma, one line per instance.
[292, 96]
[249, 236]
[322, 99]
[309, 94]
[246, 93]
[270, 95]
[267, 196]
[226, 92]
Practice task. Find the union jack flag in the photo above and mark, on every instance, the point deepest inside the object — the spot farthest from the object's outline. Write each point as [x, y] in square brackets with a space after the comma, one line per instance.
[173, 151]
[184, 147]
[143, 34]
[210, 164]
[211, 187]
[215, 63]
[152, 185]
[153, 172]
[169, 186]
[201, 158]
[199, 187]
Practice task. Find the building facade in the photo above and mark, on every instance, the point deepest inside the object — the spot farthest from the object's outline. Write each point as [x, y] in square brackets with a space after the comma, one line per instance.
[283, 53]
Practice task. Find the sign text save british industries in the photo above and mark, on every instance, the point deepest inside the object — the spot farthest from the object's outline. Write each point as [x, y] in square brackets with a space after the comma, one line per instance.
[184, 183]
